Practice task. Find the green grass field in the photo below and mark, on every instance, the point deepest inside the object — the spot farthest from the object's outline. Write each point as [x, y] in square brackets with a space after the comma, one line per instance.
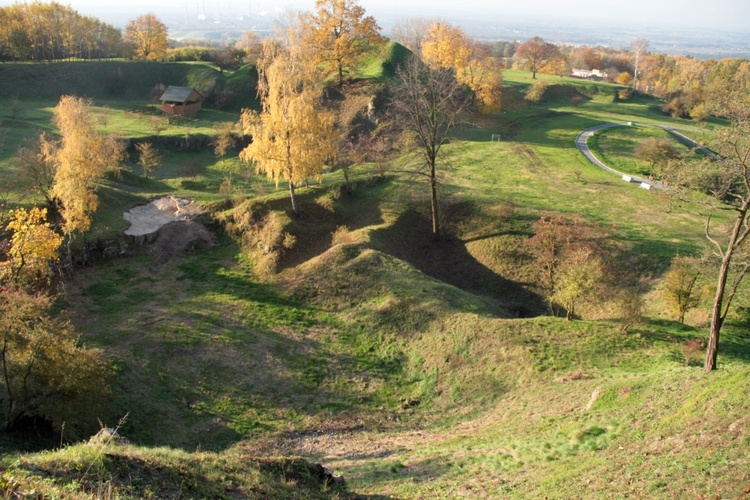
[397, 361]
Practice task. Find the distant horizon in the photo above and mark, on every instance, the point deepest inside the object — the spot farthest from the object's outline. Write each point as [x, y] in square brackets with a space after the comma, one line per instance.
[675, 27]
[687, 14]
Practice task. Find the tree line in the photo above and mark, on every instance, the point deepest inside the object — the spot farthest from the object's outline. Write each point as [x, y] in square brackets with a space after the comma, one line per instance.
[52, 31]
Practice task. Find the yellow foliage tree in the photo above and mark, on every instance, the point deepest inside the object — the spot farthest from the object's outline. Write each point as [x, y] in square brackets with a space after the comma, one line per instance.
[45, 372]
[293, 135]
[148, 157]
[148, 36]
[80, 161]
[34, 246]
[447, 47]
[339, 33]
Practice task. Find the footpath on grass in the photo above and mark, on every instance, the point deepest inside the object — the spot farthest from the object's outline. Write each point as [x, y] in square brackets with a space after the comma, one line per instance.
[583, 147]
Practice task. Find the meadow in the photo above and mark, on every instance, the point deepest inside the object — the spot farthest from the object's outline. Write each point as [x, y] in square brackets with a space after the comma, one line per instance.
[414, 368]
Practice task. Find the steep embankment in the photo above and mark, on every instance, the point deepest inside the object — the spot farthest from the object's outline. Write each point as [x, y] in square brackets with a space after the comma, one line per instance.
[121, 80]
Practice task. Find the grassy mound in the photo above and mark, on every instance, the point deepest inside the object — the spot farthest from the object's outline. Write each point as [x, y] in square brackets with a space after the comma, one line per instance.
[126, 471]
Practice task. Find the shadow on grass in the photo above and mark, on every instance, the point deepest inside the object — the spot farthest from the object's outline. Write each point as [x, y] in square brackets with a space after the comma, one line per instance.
[315, 228]
[734, 344]
[204, 355]
[410, 239]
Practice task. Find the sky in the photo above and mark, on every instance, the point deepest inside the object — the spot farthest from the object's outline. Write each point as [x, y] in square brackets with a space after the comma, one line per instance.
[714, 15]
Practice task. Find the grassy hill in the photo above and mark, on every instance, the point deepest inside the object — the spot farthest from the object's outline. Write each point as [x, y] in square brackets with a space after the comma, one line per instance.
[414, 368]
[121, 80]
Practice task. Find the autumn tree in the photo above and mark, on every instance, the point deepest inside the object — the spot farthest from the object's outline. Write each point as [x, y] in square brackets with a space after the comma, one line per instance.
[624, 78]
[33, 247]
[46, 31]
[148, 36]
[535, 93]
[579, 279]
[293, 135]
[536, 53]
[568, 259]
[680, 290]
[45, 373]
[475, 66]
[585, 58]
[80, 161]
[339, 33]
[427, 103]
[251, 44]
[726, 179]
[655, 151]
[148, 157]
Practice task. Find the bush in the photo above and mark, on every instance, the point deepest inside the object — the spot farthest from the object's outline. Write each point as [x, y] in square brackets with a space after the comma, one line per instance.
[46, 374]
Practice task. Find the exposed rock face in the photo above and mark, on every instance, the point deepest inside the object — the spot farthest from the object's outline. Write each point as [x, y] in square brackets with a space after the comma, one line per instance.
[147, 220]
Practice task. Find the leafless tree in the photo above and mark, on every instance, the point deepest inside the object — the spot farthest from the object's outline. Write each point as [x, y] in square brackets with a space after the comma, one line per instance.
[410, 33]
[427, 104]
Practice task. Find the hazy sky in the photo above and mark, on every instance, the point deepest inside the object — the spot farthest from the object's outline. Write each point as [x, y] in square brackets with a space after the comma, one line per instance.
[713, 15]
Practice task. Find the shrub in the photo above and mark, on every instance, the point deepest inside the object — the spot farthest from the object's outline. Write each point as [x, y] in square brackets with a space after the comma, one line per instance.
[46, 374]
[341, 235]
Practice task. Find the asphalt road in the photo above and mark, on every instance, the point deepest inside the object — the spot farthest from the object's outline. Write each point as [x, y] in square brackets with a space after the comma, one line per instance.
[583, 147]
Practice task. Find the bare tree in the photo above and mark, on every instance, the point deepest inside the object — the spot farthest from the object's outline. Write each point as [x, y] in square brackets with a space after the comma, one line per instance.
[726, 178]
[427, 103]
[411, 32]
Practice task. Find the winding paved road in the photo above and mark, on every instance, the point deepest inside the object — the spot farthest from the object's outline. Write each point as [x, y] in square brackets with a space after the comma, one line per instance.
[583, 147]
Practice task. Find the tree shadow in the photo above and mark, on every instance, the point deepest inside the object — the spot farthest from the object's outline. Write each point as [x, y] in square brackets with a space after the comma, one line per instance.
[205, 355]
[448, 260]
[319, 220]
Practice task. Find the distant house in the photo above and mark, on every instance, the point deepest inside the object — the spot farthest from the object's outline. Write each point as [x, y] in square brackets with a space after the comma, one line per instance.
[181, 101]
[588, 73]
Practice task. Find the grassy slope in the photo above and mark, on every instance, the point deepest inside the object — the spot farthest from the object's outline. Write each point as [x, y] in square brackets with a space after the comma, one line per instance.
[407, 384]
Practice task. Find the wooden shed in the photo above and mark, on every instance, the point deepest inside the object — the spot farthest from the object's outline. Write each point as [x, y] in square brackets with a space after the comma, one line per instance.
[181, 101]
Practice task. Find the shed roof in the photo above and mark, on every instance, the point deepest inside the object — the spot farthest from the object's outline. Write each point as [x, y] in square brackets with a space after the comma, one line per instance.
[177, 94]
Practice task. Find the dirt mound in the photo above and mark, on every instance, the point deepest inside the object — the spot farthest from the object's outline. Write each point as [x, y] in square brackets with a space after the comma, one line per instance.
[147, 220]
[169, 224]
[178, 237]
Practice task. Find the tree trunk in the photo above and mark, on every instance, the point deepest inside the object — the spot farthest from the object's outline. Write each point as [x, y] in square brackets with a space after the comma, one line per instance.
[716, 318]
[345, 171]
[433, 186]
[295, 210]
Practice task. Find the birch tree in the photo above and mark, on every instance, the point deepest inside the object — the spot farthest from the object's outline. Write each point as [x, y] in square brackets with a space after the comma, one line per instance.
[80, 160]
[293, 135]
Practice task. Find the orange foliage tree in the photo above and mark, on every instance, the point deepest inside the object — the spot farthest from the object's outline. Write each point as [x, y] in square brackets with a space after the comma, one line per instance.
[339, 33]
